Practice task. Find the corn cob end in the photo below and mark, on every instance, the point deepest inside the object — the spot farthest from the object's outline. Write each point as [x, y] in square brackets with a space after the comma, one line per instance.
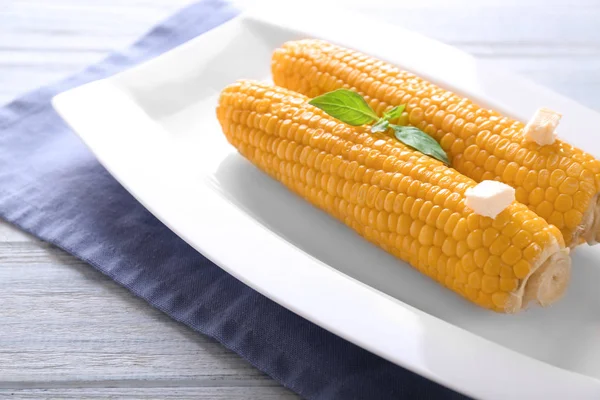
[549, 282]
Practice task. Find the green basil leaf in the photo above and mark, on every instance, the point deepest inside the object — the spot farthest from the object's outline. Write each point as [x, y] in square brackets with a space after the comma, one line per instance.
[345, 105]
[380, 126]
[419, 140]
[394, 112]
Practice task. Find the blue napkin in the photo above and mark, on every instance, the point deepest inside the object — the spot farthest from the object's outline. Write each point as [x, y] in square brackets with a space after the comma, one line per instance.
[53, 187]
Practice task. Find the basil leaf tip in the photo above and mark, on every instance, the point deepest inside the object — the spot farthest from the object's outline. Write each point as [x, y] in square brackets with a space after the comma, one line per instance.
[394, 112]
[419, 140]
[346, 106]
[381, 125]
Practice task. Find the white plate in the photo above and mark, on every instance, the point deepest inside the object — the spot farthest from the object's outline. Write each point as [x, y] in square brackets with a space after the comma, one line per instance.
[155, 130]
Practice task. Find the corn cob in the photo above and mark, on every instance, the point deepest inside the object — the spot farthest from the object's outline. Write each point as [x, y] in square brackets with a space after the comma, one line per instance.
[558, 182]
[407, 203]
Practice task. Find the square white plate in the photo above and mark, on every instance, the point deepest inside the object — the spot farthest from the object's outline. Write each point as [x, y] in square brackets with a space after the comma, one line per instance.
[154, 128]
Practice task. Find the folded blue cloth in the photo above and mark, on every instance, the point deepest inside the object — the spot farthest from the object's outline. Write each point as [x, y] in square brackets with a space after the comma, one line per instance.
[53, 187]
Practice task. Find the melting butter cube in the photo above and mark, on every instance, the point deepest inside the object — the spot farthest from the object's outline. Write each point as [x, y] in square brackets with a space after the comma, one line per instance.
[542, 126]
[489, 198]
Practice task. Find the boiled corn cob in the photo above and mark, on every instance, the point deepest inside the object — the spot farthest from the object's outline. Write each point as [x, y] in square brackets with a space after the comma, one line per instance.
[407, 203]
[558, 182]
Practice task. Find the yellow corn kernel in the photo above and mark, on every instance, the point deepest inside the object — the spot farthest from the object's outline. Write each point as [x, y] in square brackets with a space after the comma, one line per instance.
[489, 236]
[508, 284]
[492, 266]
[490, 284]
[475, 279]
[469, 262]
[511, 255]
[500, 299]
[522, 239]
[500, 245]
[572, 219]
[475, 239]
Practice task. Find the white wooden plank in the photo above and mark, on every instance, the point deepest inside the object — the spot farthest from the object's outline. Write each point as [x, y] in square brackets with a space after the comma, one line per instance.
[159, 393]
[64, 18]
[51, 60]
[33, 40]
[10, 234]
[135, 5]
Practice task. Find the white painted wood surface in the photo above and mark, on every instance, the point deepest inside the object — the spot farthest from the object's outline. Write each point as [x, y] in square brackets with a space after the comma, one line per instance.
[66, 331]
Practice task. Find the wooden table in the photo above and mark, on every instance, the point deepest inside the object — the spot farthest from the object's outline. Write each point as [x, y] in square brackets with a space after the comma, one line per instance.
[67, 331]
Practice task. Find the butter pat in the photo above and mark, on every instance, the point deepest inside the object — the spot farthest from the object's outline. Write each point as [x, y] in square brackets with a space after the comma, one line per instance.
[489, 198]
[542, 126]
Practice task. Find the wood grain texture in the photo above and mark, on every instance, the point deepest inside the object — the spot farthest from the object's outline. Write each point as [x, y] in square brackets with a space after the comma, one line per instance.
[66, 331]
[154, 393]
[71, 332]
